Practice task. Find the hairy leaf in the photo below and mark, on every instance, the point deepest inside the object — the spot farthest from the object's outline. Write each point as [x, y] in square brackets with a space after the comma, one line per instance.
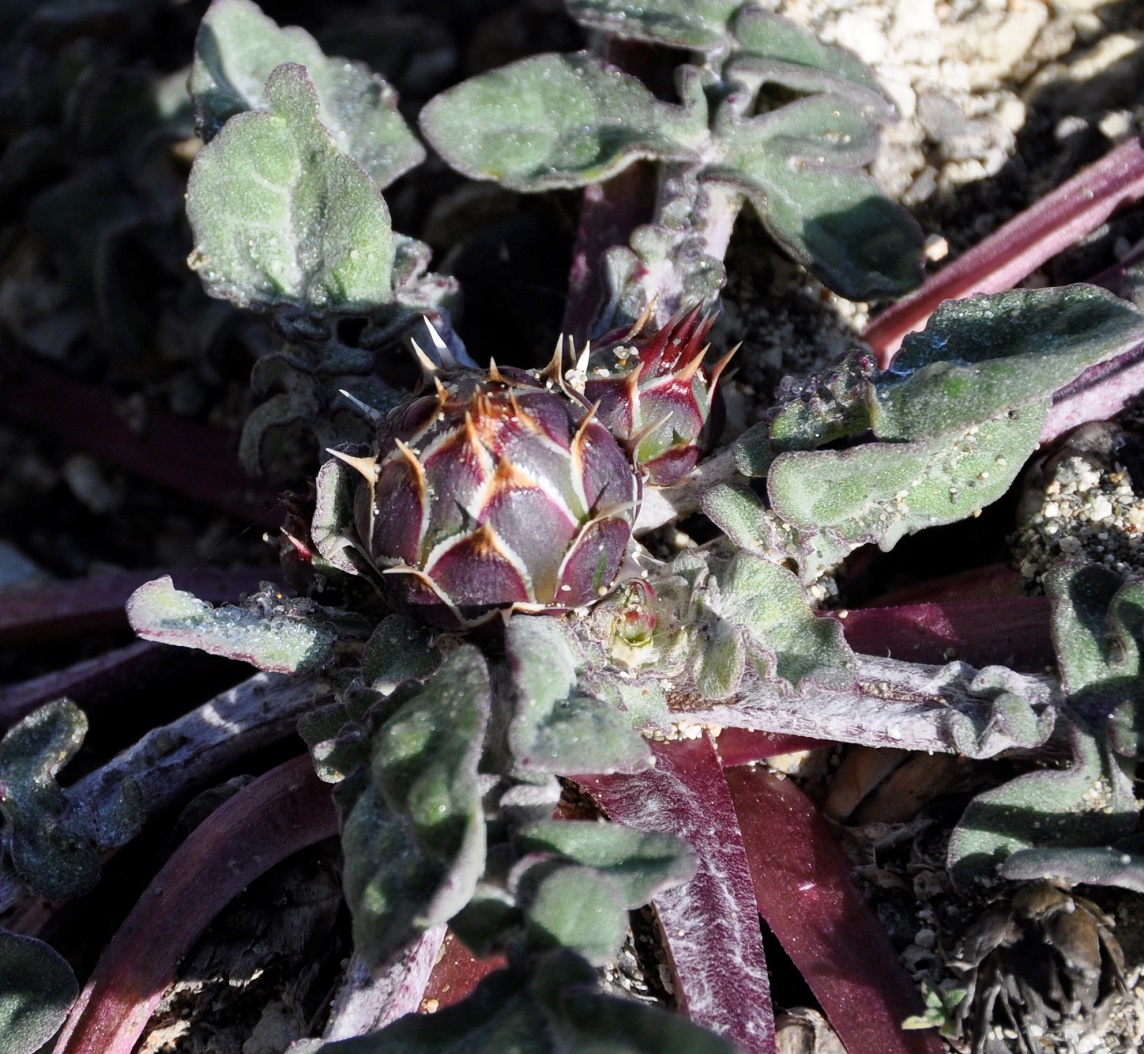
[770, 49]
[1087, 804]
[980, 357]
[788, 642]
[883, 491]
[697, 24]
[556, 728]
[415, 840]
[282, 217]
[799, 167]
[37, 988]
[1095, 866]
[569, 906]
[641, 864]
[710, 924]
[277, 643]
[555, 121]
[53, 862]
[399, 649]
[237, 49]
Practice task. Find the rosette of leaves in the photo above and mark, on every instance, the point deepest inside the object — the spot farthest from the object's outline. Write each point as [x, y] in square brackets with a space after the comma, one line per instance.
[858, 455]
[766, 114]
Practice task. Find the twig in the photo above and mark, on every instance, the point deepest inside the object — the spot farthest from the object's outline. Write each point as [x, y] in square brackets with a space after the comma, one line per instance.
[1016, 249]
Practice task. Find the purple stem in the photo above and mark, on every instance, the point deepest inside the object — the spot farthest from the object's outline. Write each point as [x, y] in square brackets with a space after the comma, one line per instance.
[803, 890]
[277, 815]
[609, 213]
[1016, 249]
[710, 924]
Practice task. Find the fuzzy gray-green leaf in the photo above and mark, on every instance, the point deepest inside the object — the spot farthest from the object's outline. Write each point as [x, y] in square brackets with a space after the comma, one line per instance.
[883, 491]
[1048, 808]
[555, 121]
[53, 862]
[642, 864]
[979, 357]
[556, 727]
[569, 906]
[697, 24]
[237, 49]
[282, 217]
[415, 840]
[771, 49]
[274, 643]
[1093, 866]
[37, 989]
[799, 166]
[399, 649]
[790, 643]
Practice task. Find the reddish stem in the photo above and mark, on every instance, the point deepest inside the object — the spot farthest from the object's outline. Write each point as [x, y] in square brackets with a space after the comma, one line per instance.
[278, 814]
[63, 609]
[1016, 249]
[803, 890]
[192, 458]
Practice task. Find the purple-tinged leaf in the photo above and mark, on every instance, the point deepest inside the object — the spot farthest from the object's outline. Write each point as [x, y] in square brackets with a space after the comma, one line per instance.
[803, 890]
[1098, 394]
[457, 972]
[1012, 631]
[1060, 219]
[278, 814]
[710, 925]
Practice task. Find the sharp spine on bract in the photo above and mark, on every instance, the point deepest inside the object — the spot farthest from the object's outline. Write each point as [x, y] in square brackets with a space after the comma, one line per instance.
[373, 416]
[367, 466]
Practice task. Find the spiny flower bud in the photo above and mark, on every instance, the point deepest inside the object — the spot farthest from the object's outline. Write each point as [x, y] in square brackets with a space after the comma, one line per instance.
[654, 391]
[497, 489]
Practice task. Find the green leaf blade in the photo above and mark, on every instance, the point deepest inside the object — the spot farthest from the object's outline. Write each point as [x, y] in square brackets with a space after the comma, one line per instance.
[979, 357]
[415, 840]
[276, 643]
[37, 989]
[281, 217]
[555, 121]
[641, 864]
[697, 24]
[238, 48]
